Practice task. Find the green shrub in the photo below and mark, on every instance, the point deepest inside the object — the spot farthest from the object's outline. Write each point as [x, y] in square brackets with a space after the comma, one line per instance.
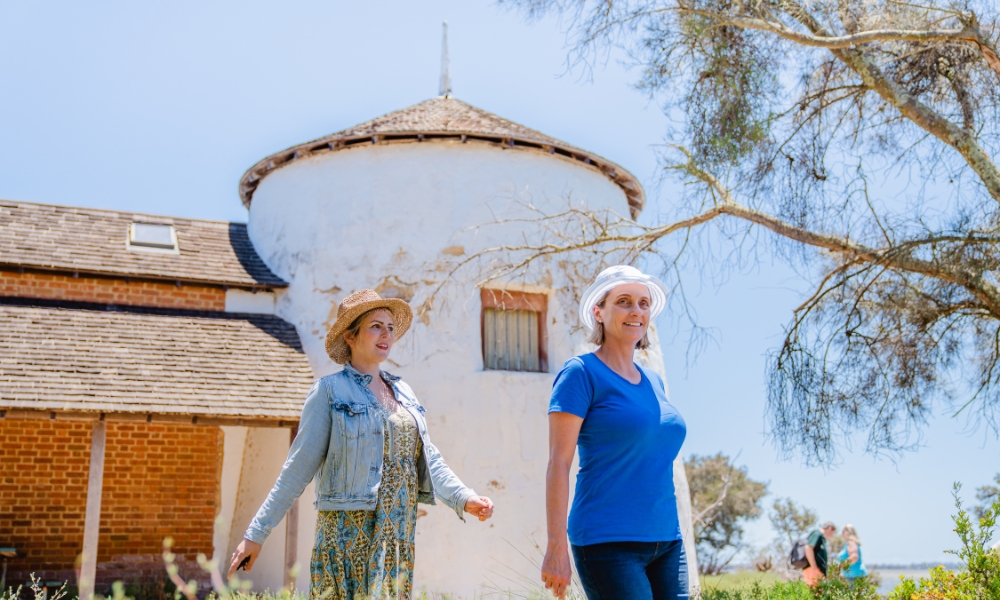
[837, 587]
[833, 587]
[791, 590]
[979, 580]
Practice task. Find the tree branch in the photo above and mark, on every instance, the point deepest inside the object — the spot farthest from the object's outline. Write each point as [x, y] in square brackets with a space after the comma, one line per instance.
[923, 116]
[969, 34]
[538, 251]
[892, 256]
[700, 517]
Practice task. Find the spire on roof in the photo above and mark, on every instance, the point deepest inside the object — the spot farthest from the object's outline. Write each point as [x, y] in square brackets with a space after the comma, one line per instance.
[444, 89]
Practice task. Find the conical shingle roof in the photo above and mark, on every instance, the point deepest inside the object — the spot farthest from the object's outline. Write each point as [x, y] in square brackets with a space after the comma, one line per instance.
[439, 119]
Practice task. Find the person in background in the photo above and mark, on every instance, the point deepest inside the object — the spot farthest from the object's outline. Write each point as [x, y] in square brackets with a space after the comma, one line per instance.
[817, 553]
[851, 554]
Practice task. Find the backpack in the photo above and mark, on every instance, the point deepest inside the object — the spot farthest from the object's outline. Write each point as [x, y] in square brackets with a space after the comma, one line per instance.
[797, 557]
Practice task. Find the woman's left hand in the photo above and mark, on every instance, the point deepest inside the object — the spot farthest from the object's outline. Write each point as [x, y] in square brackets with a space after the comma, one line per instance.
[479, 506]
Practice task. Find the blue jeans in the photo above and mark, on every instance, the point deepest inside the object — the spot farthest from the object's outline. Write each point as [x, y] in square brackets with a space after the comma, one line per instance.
[633, 570]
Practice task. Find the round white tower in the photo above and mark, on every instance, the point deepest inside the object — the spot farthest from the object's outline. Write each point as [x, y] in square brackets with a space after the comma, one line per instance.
[387, 205]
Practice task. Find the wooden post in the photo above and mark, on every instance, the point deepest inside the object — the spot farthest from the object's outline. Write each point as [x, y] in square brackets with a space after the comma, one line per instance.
[92, 524]
[682, 492]
[291, 533]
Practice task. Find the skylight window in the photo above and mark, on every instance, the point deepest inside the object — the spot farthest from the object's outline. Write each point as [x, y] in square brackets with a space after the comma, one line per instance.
[152, 236]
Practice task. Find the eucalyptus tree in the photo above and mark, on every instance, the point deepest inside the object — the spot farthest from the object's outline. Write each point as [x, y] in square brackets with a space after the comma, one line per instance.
[723, 499]
[855, 139]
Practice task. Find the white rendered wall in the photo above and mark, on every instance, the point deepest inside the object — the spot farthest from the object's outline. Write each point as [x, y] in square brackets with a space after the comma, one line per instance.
[234, 441]
[389, 215]
[307, 537]
[263, 454]
[243, 301]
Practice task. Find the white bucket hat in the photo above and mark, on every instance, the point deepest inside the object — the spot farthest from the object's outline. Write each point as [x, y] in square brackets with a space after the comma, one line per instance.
[615, 276]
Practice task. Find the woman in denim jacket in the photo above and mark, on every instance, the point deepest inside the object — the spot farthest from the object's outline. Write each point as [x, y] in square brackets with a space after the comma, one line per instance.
[363, 437]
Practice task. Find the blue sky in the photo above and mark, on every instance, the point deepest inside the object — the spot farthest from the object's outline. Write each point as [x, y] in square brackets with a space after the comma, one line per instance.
[160, 107]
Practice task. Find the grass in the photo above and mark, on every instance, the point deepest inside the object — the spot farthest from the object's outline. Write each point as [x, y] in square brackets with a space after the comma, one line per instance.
[738, 579]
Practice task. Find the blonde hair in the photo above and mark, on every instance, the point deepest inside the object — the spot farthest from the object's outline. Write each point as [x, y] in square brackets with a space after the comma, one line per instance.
[850, 534]
[597, 335]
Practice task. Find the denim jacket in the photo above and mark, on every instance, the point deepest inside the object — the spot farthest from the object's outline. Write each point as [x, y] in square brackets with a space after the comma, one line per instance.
[340, 444]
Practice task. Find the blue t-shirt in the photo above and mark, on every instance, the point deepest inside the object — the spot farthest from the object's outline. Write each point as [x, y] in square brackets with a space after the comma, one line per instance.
[628, 442]
[856, 569]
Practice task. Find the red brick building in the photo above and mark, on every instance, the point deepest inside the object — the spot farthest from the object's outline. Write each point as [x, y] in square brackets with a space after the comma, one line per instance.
[129, 345]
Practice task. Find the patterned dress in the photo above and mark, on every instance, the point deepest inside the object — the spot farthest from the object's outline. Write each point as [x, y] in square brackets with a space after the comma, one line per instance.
[365, 554]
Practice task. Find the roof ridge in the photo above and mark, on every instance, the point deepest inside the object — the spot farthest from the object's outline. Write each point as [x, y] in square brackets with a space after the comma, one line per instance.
[442, 99]
[14, 203]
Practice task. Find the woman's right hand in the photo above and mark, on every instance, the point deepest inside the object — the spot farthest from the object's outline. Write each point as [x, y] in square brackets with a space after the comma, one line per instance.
[564, 429]
[556, 571]
[245, 549]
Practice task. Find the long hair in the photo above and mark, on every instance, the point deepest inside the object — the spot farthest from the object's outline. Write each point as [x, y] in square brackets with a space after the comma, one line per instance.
[597, 335]
[850, 534]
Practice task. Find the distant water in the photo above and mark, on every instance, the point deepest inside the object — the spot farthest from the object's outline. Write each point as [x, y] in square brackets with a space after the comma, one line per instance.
[890, 576]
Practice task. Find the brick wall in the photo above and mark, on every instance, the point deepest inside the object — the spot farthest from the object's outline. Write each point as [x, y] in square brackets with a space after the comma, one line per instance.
[159, 480]
[53, 286]
[43, 495]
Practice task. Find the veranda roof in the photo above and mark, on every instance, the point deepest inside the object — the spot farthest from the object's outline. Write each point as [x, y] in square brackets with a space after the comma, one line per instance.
[82, 358]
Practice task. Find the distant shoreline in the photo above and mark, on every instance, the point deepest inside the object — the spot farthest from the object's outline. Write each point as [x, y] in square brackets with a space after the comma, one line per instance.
[917, 566]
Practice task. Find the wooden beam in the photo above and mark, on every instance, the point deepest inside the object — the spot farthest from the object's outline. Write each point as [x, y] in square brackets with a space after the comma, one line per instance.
[92, 523]
[62, 415]
[291, 532]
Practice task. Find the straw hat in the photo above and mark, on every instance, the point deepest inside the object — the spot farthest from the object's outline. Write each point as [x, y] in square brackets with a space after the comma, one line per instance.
[353, 307]
[613, 277]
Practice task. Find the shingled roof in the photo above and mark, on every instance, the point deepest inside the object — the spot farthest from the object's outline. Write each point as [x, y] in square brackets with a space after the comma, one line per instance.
[84, 358]
[93, 241]
[444, 118]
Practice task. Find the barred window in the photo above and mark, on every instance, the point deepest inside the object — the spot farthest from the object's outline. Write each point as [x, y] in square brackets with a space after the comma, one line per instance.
[513, 326]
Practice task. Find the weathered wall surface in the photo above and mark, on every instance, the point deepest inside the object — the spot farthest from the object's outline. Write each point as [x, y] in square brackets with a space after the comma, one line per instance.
[159, 480]
[385, 217]
[263, 453]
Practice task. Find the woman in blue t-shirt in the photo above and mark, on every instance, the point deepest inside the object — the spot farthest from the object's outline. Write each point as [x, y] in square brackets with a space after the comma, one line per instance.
[623, 528]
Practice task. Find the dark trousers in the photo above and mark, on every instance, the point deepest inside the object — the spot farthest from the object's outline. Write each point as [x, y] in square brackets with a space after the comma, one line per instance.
[633, 570]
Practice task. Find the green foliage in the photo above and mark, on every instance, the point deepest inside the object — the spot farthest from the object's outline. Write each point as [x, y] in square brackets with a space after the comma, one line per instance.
[982, 566]
[980, 580]
[987, 495]
[872, 162]
[941, 585]
[727, 103]
[723, 498]
[37, 592]
[836, 587]
[791, 521]
[792, 590]
[737, 580]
